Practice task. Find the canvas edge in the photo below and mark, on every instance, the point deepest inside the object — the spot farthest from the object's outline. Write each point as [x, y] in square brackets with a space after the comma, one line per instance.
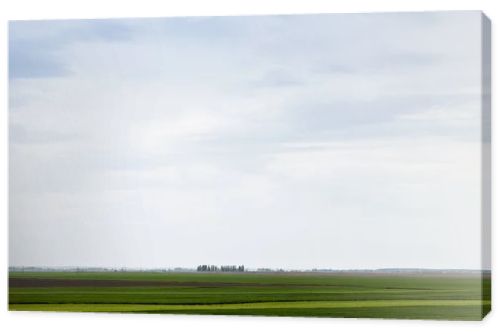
[485, 163]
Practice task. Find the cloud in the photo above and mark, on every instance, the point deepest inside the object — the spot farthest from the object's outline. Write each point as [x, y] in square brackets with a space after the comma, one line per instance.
[321, 131]
[35, 46]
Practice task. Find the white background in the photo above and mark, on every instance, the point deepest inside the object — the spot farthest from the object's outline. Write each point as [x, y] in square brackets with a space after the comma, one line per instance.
[85, 323]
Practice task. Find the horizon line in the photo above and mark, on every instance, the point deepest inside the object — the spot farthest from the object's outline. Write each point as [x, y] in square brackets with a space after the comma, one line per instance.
[188, 268]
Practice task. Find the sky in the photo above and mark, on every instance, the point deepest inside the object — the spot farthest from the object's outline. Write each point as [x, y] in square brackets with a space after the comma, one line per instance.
[308, 141]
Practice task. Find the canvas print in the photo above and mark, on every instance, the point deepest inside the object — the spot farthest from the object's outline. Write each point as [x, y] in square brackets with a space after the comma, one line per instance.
[330, 165]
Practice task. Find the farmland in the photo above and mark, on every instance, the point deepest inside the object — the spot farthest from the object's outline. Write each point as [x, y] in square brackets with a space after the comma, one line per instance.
[402, 296]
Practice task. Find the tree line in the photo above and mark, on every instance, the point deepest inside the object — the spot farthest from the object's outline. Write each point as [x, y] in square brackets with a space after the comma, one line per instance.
[210, 268]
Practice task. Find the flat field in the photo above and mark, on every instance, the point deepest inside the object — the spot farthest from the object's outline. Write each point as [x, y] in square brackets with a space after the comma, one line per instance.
[422, 296]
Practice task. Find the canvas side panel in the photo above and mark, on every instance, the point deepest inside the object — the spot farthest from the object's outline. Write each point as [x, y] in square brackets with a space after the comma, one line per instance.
[486, 161]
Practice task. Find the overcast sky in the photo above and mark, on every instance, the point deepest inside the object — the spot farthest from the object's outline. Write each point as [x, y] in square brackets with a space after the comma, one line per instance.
[328, 141]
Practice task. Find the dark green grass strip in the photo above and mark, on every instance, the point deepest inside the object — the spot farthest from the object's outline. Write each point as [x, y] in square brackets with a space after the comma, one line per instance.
[403, 309]
[318, 295]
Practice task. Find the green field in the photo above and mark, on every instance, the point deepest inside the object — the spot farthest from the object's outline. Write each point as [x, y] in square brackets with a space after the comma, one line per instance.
[445, 296]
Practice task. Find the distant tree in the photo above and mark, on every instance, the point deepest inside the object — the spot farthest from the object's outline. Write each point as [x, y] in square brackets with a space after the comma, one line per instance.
[223, 268]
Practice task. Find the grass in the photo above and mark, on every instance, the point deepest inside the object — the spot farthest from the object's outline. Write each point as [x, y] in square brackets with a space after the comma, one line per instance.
[451, 297]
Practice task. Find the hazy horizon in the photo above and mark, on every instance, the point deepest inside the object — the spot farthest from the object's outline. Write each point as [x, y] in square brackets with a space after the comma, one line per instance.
[298, 141]
[258, 268]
